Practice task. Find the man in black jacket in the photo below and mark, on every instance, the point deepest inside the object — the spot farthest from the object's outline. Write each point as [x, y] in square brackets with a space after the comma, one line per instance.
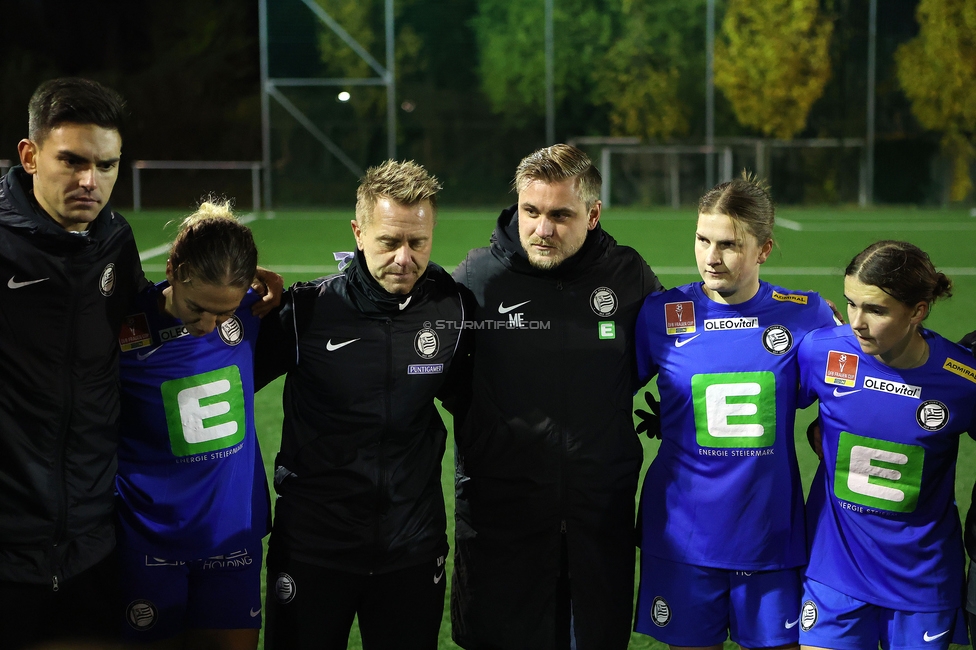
[359, 523]
[548, 459]
[69, 268]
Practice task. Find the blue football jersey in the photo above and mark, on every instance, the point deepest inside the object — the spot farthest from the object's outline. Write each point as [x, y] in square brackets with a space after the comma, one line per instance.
[882, 517]
[724, 490]
[191, 481]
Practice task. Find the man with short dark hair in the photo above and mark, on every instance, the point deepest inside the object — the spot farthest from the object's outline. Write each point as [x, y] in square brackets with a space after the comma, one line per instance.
[68, 270]
[359, 524]
[547, 456]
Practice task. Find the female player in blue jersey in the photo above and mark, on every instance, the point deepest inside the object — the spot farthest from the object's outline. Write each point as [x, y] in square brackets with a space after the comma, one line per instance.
[722, 528]
[193, 498]
[886, 553]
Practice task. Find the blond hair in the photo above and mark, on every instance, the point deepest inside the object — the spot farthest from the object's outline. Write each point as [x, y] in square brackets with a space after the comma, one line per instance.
[556, 164]
[212, 246]
[407, 183]
[745, 200]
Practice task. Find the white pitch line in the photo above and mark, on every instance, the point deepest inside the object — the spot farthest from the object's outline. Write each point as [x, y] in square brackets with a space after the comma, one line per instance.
[156, 251]
[789, 224]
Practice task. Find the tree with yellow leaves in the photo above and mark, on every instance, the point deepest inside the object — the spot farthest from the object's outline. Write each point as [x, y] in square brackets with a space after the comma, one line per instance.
[772, 61]
[937, 71]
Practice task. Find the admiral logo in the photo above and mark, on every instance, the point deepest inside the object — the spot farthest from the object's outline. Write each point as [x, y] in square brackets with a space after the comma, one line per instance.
[172, 333]
[932, 415]
[808, 615]
[660, 612]
[134, 333]
[841, 369]
[679, 317]
[285, 588]
[777, 339]
[603, 301]
[893, 387]
[141, 615]
[231, 331]
[962, 370]
[425, 368]
[106, 283]
[741, 323]
[790, 297]
[426, 342]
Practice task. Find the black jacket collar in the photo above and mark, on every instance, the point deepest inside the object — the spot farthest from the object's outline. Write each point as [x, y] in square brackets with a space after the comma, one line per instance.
[370, 298]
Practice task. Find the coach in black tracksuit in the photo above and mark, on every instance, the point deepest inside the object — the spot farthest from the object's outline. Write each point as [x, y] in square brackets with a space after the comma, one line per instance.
[68, 270]
[359, 523]
[548, 459]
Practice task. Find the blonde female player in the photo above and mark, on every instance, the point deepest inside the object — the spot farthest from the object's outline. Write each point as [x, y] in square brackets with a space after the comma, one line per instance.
[722, 518]
[886, 553]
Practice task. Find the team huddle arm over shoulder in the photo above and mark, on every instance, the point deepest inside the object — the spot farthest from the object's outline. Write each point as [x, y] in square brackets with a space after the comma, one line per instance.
[277, 347]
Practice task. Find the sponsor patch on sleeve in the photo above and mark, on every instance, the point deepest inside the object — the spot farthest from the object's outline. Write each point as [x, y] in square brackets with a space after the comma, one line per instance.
[134, 333]
[960, 369]
[679, 317]
[798, 298]
[841, 368]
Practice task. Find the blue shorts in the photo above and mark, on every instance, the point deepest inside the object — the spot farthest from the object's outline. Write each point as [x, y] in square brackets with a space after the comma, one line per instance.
[163, 598]
[830, 619]
[686, 605]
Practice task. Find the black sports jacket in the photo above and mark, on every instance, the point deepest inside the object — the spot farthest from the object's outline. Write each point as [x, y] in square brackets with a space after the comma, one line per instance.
[548, 445]
[358, 476]
[64, 296]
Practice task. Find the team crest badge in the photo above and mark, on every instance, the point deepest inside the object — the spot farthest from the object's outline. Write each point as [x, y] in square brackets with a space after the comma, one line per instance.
[808, 615]
[106, 283]
[777, 339]
[679, 317]
[285, 588]
[426, 342]
[841, 368]
[932, 415]
[141, 615]
[660, 612]
[231, 331]
[603, 301]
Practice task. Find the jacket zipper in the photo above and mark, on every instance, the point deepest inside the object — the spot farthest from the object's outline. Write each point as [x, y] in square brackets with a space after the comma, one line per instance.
[61, 523]
[380, 448]
[564, 442]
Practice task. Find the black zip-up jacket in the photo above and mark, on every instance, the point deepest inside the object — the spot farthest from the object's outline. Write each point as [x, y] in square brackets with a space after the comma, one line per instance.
[64, 298]
[358, 476]
[548, 450]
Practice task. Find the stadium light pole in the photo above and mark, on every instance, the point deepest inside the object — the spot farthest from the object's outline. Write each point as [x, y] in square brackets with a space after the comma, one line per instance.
[391, 116]
[265, 102]
[550, 78]
[872, 73]
[710, 92]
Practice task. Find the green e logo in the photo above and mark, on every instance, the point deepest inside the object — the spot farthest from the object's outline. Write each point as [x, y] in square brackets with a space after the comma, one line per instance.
[735, 409]
[877, 473]
[204, 412]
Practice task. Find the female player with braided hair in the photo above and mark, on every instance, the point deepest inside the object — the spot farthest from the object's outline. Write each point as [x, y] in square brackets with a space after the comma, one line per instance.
[886, 553]
[722, 519]
[193, 499]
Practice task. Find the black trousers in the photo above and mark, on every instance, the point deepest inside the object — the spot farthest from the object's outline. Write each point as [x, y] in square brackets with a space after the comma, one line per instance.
[85, 609]
[310, 606]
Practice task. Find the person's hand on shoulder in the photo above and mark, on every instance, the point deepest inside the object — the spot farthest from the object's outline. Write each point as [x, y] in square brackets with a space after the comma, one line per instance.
[270, 285]
[650, 421]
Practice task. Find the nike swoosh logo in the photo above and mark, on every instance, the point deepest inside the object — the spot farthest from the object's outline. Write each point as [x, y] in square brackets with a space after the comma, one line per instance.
[840, 393]
[332, 347]
[439, 577]
[792, 625]
[13, 284]
[255, 613]
[502, 309]
[142, 356]
[933, 638]
[403, 305]
[678, 343]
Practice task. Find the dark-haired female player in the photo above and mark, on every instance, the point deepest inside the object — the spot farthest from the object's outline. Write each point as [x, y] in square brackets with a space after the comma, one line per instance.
[886, 554]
